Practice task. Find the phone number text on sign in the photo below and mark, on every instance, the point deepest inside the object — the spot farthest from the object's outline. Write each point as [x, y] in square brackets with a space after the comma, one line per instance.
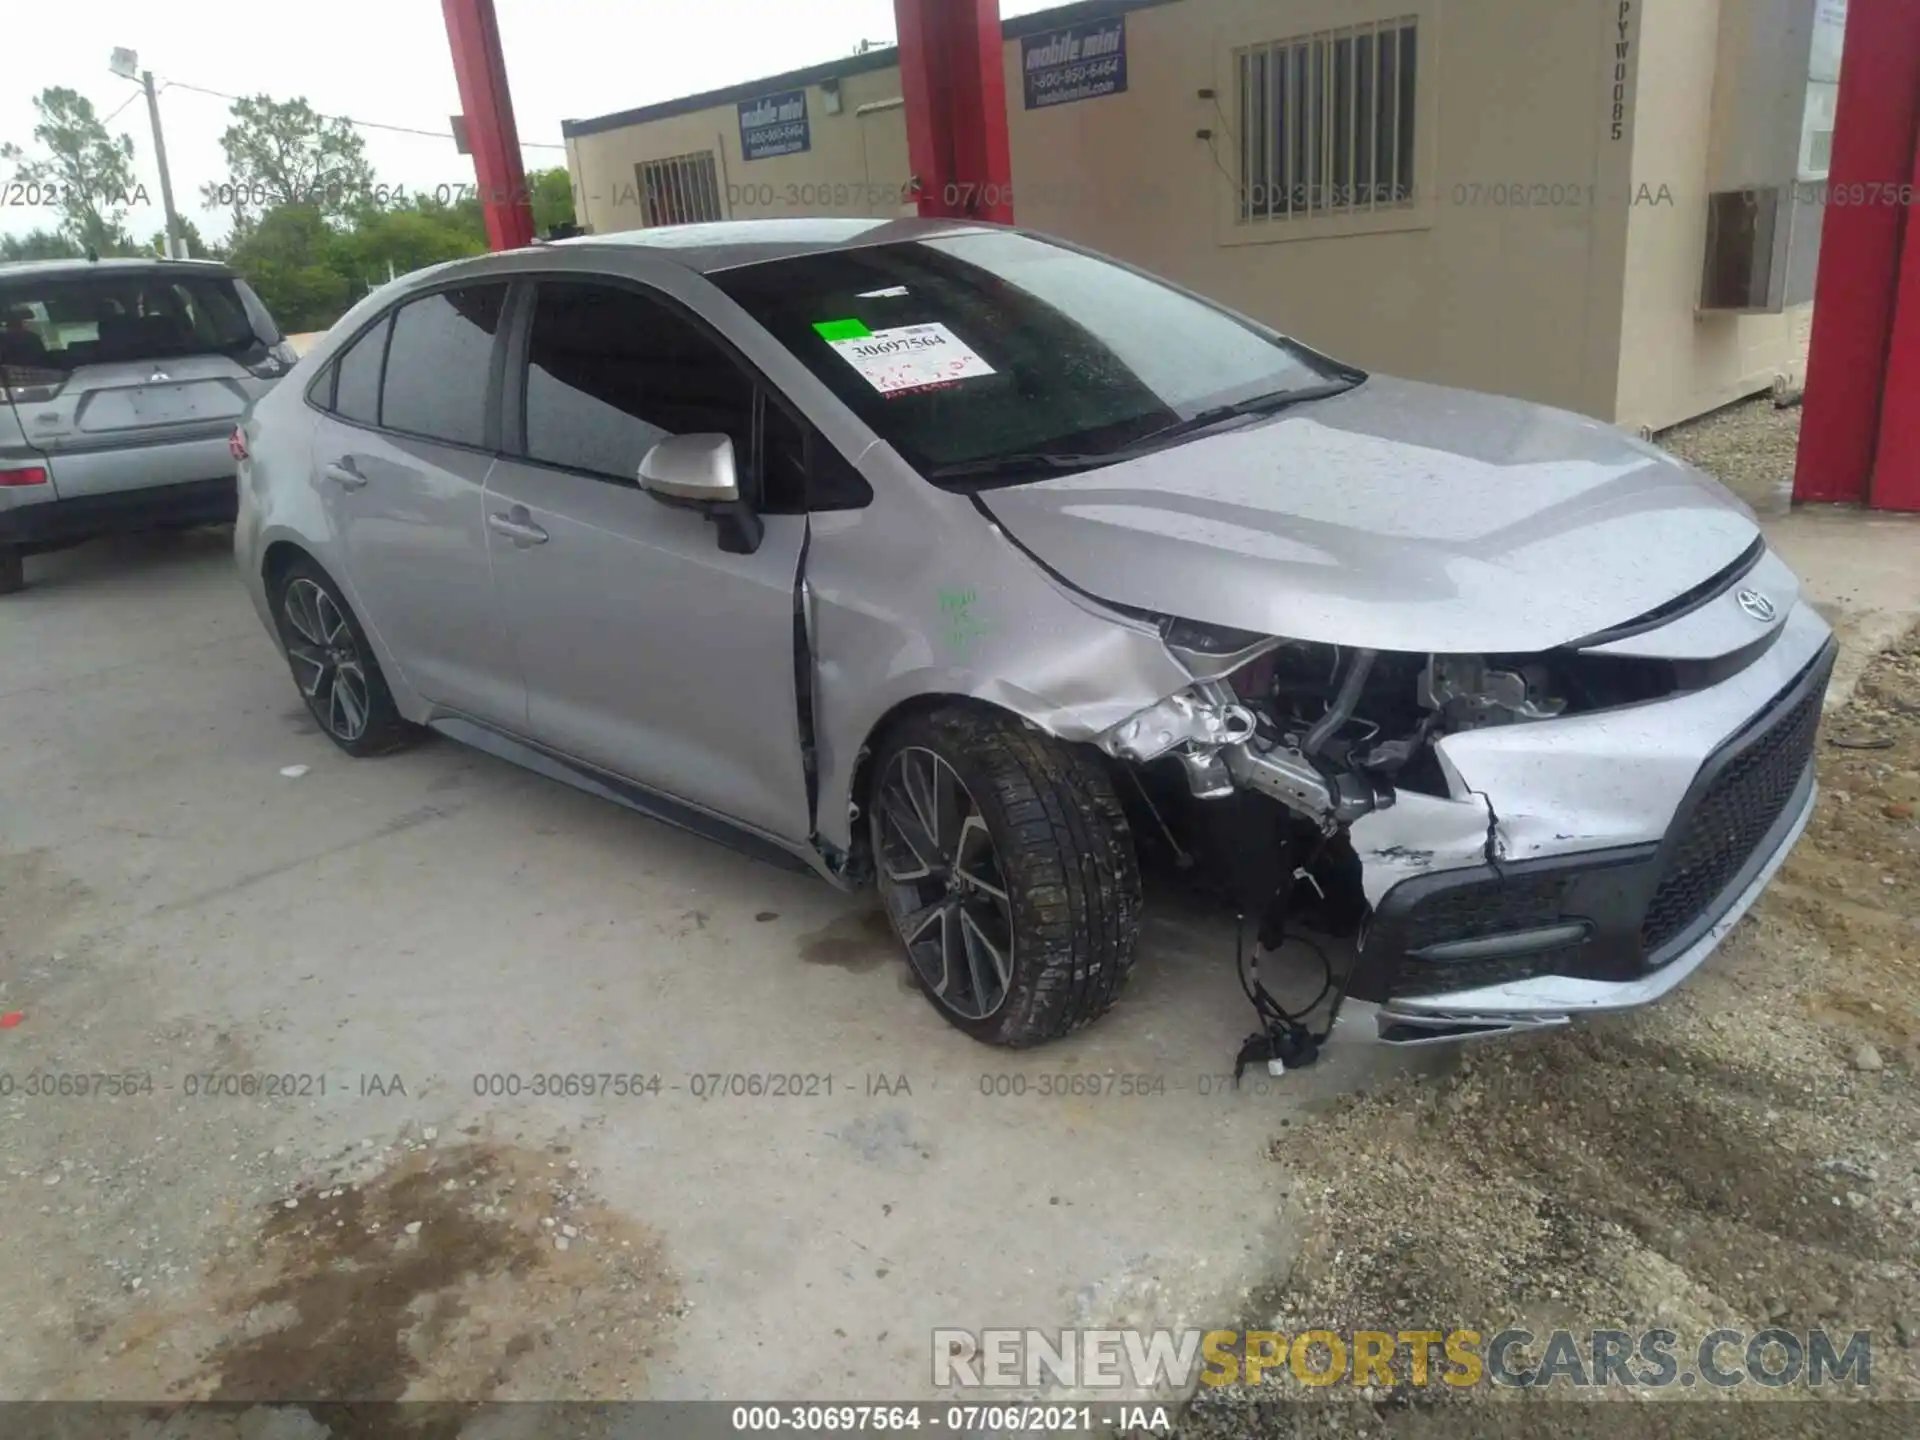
[911, 357]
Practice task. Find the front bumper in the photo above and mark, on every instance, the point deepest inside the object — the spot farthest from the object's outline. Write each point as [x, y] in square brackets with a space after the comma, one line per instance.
[1531, 943]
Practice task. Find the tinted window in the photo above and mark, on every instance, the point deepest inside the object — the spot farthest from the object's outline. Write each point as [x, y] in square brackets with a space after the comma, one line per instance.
[968, 347]
[63, 322]
[783, 461]
[610, 373]
[356, 394]
[438, 362]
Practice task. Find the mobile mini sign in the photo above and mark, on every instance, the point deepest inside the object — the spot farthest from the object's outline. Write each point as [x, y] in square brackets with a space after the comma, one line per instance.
[774, 125]
[1077, 62]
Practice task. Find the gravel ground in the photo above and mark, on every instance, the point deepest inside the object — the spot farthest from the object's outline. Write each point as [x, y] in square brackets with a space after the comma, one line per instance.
[1750, 446]
[1745, 1154]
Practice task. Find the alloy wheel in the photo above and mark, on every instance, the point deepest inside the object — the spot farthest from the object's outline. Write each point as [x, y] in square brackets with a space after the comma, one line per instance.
[326, 660]
[942, 884]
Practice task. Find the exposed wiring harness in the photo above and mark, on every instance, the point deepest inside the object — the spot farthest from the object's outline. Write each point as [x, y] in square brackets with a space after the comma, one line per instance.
[1284, 1037]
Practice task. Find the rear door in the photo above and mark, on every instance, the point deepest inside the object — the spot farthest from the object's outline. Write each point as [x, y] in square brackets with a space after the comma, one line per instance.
[401, 460]
[114, 376]
[647, 649]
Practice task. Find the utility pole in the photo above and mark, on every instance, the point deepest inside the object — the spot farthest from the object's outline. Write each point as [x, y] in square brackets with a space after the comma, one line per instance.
[176, 245]
[124, 63]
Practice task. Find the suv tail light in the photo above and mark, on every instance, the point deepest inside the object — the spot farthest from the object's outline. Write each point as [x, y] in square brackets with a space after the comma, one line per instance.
[237, 443]
[30, 383]
[279, 359]
[26, 475]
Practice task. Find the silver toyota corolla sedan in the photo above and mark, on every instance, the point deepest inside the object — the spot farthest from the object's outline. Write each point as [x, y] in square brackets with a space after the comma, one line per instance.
[967, 563]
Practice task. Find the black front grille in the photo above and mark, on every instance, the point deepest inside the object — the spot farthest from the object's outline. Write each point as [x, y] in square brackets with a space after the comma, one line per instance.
[1713, 841]
[1493, 906]
[1438, 978]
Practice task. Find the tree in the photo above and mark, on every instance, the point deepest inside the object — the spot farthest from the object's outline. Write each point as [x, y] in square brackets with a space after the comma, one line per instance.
[394, 241]
[194, 244]
[284, 153]
[86, 174]
[39, 245]
[288, 258]
[551, 192]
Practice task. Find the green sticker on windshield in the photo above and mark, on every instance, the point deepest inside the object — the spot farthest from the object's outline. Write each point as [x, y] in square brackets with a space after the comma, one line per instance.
[831, 330]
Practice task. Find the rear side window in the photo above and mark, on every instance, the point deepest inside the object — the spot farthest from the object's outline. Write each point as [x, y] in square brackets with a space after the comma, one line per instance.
[610, 373]
[356, 394]
[60, 323]
[438, 365]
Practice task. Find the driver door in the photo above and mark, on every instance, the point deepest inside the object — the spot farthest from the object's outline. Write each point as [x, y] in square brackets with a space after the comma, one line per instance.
[647, 650]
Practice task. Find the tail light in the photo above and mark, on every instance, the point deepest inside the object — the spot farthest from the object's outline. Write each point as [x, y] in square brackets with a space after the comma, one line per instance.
[26, 384]
[237, 443]
[280, 358]
[26, 475]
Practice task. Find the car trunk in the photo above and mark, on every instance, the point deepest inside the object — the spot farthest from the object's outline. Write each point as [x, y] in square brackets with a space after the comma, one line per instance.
[105, 376]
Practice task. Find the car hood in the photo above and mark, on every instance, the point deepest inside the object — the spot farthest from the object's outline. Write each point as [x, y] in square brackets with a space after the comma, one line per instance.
[1395, 516]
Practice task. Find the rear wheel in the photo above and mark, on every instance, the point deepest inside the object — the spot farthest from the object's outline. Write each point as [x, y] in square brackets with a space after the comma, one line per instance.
[1008, 871]
[13, 569]
[334, 666]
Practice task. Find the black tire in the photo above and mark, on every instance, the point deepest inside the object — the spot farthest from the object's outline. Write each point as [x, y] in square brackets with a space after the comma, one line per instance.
[326, 651]
[13, 569]
[1060, 849]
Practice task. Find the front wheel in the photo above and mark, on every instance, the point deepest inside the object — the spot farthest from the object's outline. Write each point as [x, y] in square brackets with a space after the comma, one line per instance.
[1008, 871]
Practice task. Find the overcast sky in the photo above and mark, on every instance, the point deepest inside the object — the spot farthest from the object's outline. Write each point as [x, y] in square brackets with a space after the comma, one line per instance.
[387, 61]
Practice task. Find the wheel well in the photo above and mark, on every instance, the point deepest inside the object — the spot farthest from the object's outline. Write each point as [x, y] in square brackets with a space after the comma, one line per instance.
[859, 789]
[280, 554]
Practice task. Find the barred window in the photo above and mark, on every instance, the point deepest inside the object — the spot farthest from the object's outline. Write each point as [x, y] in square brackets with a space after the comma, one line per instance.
[1327, 122]
[681, 190]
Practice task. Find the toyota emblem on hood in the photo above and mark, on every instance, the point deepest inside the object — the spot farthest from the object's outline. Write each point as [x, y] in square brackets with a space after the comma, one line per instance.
[1756, 605]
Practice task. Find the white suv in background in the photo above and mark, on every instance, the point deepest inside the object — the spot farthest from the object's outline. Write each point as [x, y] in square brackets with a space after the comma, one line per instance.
[120, 383]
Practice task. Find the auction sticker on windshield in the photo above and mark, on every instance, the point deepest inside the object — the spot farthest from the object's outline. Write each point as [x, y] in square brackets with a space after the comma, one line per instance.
[908, 357]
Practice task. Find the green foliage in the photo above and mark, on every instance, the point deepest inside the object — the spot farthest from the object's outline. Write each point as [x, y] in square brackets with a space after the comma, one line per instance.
[309, 271]
[85, 173]
[551, 192]
[408, 237]
[284, 153]
[288, 258]
[39, 245]
[196, 245]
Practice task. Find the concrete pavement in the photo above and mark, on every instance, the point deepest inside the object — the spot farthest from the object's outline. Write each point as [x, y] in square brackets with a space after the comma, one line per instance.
[440, 916]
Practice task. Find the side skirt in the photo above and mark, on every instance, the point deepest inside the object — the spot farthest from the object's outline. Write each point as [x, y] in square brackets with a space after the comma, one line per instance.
[622, 791]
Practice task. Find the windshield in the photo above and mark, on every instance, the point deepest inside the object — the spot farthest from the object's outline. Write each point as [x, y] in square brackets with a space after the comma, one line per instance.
[61, 323]
[972, 347]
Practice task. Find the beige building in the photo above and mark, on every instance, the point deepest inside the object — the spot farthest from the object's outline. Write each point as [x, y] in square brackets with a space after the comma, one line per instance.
[1610, 205]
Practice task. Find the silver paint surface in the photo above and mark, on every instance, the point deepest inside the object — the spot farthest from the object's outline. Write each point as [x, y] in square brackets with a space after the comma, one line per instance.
[1398, 516]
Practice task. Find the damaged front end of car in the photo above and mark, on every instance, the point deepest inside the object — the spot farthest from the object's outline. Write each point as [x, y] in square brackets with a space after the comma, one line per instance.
[1510, 840]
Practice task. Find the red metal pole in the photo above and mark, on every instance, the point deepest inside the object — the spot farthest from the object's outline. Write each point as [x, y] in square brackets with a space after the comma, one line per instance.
[955, 89]
[481, 70]
[1862, 237]
[1896, 458]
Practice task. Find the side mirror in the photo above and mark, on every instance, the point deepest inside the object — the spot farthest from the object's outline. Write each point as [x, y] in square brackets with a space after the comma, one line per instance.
[697, 471]
[696, 467]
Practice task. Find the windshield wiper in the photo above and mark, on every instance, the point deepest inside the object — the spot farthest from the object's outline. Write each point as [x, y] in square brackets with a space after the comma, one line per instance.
[1061, 462]
[1019, 460]
[1271, 404]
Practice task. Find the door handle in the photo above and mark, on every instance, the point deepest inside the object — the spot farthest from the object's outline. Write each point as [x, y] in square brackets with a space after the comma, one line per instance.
[342, 473]
[516, 526]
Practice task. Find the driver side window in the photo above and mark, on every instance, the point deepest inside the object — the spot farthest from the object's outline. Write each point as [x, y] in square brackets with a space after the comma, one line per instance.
[610, 373]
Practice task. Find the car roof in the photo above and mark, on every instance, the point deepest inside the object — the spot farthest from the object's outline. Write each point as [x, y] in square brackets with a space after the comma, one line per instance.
[728, 244]
[115, 265]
